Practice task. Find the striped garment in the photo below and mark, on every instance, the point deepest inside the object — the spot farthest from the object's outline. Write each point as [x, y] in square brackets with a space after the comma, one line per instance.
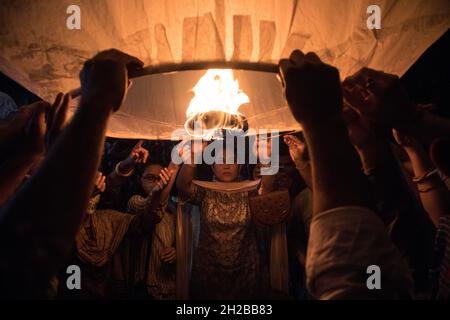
[440, 271]
[161, 277]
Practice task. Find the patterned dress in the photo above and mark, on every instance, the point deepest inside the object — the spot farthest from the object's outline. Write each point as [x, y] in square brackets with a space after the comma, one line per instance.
[440, 270]
[226, 263]
[161, 276]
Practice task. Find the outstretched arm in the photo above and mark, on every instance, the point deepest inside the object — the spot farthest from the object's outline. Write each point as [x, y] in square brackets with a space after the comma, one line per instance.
[168, 177]
[341, 218]
[337, 178]
[189, 155]
[151, 209]
[298, 154]
[23, 146]
[381, 98]
[13, 172]
[123, 170]
[433, 193]
[185, 177]
[41, 221]
[267, 181]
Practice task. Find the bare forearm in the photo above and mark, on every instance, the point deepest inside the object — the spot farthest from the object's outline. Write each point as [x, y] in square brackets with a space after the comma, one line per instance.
[184, 180]
[115, 180]
[377, 155]
[68, 174]
[267, 184]
[13, 173]
[435, 202]
[166, 191]
[433, 193]
[337, 178]
[419, 160]
[114, 183]
[388, 185]
[56, 197]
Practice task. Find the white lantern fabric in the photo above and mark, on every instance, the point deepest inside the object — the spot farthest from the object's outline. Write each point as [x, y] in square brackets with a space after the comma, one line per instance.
[42, 54]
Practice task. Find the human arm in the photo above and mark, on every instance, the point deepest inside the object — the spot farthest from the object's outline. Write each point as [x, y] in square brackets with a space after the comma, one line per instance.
[433, 193]
[341, 198]
[151, 208]
[337, 179]
[191, 154]
[53, 202]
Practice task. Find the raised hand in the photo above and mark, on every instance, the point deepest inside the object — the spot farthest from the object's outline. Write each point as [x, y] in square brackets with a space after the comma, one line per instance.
[25, 129]
[11, 130]
[35, 129]
[138, 155]
[190, 152]
[104, 82]
[312, 88]
[296, 151]
[56, 118]
[132, 64]
[164, 178]
[361, 130]
[379, 96]
[105, 77]
[263, 148]
[406, 141]
[100, 184]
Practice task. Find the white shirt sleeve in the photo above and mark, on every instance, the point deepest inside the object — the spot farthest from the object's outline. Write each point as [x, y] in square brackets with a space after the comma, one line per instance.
[343, 243]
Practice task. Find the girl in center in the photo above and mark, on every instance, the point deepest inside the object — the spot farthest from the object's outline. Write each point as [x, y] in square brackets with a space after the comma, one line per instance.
[226, 262]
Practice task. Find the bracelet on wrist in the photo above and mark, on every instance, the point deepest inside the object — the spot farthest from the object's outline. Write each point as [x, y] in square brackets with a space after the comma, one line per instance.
[303, 167]
[425, 190]
[122, 174]
[369, 171]
[427, 175]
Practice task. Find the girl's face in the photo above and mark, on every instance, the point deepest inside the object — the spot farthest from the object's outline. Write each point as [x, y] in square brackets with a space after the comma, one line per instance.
[150, 177]
[226, 172]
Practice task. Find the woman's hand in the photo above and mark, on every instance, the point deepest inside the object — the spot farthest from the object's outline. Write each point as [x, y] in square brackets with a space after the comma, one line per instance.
[379, 96]
[138, 155]
[164, 178]
[406, 141]
[100, 184]
[191, 151]
[168, 255]
[312, 89]
[296, 150]
[361, 130]
[105, 78]
[264, 149]
[35, 130]
[56, 118]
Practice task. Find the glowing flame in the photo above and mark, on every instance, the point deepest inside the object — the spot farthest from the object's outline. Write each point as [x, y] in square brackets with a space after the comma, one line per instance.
[215, 104]
[217, 91]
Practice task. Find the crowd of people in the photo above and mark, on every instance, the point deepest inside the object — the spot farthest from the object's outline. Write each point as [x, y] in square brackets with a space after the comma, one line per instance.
[364, 184]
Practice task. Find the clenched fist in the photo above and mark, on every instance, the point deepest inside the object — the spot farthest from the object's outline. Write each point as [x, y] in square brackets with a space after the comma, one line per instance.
[312, 88]
[379, 97]
[105, 77]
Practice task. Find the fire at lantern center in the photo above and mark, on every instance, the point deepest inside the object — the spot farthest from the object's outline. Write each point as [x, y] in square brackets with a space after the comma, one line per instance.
[214, 107]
